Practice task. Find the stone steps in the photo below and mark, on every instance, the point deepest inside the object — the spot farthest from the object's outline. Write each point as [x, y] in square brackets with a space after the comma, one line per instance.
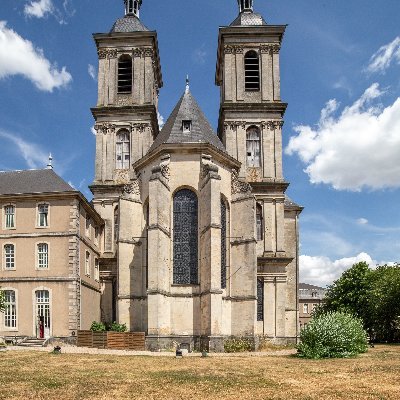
[32, 342]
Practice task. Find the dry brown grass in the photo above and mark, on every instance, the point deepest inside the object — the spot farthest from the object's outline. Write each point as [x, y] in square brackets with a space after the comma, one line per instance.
[33, 375]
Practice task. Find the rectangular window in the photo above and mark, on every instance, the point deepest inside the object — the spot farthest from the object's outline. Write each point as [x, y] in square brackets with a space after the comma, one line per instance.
[96, 270]
[43, 255]
[87, 227]
[10, 311]
[96, 235]
[87, 264]
[9, 213]
[9, 256]
[305, 308]
[43, 215]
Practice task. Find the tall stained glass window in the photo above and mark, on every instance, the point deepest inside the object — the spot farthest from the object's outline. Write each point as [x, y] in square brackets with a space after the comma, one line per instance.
[185, 238]
[223, 243]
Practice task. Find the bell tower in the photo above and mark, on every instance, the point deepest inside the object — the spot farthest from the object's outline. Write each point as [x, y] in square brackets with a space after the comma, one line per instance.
[250, 126]
[126, 123]
[129, 80]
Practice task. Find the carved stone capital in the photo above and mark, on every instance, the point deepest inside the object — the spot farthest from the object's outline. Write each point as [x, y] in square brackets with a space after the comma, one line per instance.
[238, 186]
[107, 53]
[140, 127]
[229, 49]
[148, 52]
[276, 48]
[137, 52]
[132, 188]
[105, 128]
[239, 49]
[265, 49]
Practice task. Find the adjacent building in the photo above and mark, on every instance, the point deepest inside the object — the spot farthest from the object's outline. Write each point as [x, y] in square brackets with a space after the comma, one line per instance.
[310, 297]
[50, 241]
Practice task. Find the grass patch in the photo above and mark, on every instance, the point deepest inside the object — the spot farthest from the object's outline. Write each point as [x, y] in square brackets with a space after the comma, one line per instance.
[33, 375]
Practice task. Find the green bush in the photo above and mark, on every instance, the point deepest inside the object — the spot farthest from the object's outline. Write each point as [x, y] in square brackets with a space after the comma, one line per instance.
[114, 327]
[98, 327]
[237, 345]
[333, 335]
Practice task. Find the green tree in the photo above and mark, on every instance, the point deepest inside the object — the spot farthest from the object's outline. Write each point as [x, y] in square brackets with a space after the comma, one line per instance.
[351, 293]
[385, 303]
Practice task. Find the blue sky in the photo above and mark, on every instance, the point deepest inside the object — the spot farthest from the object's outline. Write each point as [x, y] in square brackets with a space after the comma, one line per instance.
[340, 75]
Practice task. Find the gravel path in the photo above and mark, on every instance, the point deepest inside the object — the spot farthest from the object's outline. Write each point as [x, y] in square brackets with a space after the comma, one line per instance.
[87, 350]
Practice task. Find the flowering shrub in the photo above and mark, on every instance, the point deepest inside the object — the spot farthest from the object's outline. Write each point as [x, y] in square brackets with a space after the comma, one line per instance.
[237, 345]
[333, 335]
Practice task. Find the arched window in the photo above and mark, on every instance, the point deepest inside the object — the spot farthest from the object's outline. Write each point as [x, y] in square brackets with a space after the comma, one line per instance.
[253, 147]
[122, 150]
[125, 74]
[251, 71]
[10, 309]
[185, 238]
[260, 300]
[43, 313]
[259, 222]
[223, 243]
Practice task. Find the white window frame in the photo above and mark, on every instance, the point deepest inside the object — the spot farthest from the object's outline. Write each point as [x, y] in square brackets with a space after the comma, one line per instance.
[305, 308]
[35, 309]
[88, 223]
[5, 257]
[253, 147]
[96, 270]
[123, 149]
[38, 215]
[13, 328]
[38, 267]
[87, 263]
[5, 227]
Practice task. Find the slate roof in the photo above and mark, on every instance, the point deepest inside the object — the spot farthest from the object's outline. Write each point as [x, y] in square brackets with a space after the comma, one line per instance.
[32, 181]
[129, 23]
[201, 132]
[306, 286]
[249, 19]
[290, 203]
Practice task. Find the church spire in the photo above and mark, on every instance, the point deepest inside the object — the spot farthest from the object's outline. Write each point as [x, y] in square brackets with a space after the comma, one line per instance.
[132, 7]
[245, 5]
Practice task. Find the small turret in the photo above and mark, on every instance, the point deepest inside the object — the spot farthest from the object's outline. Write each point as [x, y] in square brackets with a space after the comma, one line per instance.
[245, 5]
[132, 7]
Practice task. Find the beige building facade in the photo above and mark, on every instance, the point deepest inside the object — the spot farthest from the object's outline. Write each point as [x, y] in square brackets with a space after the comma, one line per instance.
[200, 240]
[50, 241]
[310, 297]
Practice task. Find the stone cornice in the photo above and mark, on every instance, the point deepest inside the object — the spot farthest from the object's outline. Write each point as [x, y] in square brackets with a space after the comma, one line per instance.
[193, 148]
[268, 186]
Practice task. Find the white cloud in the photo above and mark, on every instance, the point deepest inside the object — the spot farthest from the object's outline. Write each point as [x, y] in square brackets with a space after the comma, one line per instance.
[18, 56]
[322, 271]
[39, 9]
[357, 149]
[93, 131]
[383, 58]
[160, 120]
[33, 154]
[362, 221]
[92, 72]
[199, 55]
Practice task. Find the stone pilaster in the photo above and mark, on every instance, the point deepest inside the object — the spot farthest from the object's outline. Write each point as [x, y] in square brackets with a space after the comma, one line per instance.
[159, 267]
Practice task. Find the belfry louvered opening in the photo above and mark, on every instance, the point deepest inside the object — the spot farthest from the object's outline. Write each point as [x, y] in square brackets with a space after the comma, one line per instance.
[125, 74]
[252, 71]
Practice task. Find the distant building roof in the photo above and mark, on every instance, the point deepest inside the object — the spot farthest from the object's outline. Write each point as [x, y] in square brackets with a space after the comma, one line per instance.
[201, 131]
[290, 203]
[305, 286]
[32, 181]
[129, 23]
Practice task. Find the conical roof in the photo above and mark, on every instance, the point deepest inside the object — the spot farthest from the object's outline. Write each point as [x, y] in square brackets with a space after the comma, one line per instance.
[201, 131]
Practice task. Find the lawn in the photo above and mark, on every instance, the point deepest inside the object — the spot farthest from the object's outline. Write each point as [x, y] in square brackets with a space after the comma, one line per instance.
[34, 375]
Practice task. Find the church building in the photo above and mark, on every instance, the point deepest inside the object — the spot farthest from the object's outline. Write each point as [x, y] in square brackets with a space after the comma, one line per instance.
[200, 240]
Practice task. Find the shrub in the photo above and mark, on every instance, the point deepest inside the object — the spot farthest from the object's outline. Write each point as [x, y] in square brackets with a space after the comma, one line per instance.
[98, 327]
[333, 335]
[237, 345]
[115, 327]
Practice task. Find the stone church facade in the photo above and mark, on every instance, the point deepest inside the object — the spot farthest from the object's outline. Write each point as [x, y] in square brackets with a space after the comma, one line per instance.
[200, 240]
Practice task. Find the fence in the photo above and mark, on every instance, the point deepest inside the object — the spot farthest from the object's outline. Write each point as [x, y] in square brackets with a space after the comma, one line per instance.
[112, 340]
